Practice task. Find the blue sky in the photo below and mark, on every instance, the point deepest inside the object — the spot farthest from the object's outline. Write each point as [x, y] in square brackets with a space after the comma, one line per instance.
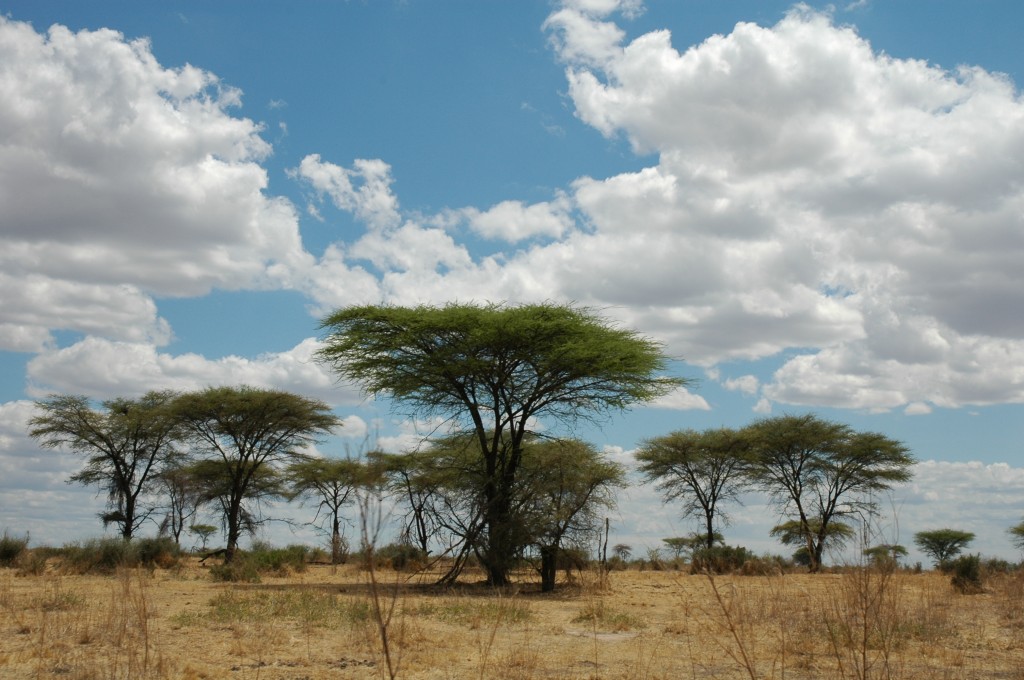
[815, 207]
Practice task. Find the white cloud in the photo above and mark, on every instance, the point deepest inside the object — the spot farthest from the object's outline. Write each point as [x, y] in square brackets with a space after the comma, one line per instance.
[365, 190]
[105, 369]
[514, 221]
[121, 179]
[681, 400]
[747, 384]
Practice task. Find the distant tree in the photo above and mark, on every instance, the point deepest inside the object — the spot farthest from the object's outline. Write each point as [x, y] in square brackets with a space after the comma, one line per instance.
[203, 531]
[702, 470]
[331, 483]
[942, 545]
[682, 547]
[493, 371]
[818, 471]
[124, 444]
[1017, 535]
[885, 554]
[183, 494]
[244, 437]
[564, 484]
[622, 551]
[794, 534]
[410, 478]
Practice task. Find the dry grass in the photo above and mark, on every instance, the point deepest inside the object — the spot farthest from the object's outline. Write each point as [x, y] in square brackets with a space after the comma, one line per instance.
[642, 625]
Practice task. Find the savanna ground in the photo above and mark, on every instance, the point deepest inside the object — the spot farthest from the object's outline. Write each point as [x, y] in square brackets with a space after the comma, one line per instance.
[321, 623]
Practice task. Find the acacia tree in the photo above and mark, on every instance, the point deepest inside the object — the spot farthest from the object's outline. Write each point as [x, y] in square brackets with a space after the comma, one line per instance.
[124, 444]
[818, 471]
[183, 494]
[942, 545]
[701, 469]
[494, 370]
[1017, 535]
[331, 483]
[244, 436]
[415, 485]
[565, 483]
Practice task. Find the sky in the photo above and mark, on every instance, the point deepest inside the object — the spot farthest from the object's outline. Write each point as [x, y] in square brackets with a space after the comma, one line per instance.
[814, 207]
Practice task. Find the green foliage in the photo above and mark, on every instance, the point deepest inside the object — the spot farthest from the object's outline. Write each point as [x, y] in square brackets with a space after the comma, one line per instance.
[1017, 535]
[720, 559]
[203, 531]
[702, 470]
[124, 444]
[817, 471]
[260, 560]
[11, 548]
[244, 436]
[493, 370]
[885, 556]
[107, 555]
[966, 572]
[942, 545]
[683, 546]
[397, 556]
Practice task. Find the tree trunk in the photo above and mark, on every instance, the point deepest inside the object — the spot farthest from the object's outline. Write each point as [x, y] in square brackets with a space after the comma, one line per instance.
[336, 540]
[548, 568]
[711, 529]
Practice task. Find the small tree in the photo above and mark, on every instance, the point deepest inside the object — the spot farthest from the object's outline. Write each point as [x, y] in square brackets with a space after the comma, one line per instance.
[702, 470]
[183, 494]
[683, 546]
[124, 444]
[622, 551]
[565, 483]
[794, 534]
[203, 531]
[1017, 535]
[245, 436]
[885, 555]
[331, 483]
[942, 545]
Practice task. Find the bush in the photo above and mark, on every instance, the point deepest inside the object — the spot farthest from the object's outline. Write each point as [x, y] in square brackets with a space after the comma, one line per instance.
[967, 574]
[261, 559]
[397, 556]
[720, 559]
[11, 548]
[106, 555]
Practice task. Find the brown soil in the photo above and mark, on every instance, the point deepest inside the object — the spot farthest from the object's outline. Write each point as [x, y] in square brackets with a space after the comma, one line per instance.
[178, 623]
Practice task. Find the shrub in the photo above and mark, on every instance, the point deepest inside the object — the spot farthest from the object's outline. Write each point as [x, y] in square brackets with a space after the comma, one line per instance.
[260, 559]
[160, 551]
[96, 556]
[106, 555]
[719, 559]
[967, 574]
[11, 548]
[397, 556]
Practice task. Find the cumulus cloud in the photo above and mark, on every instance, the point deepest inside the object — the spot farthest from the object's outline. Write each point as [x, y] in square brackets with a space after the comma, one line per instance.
[121, 179]
[810, 193]
[514, 221]
[104, 369]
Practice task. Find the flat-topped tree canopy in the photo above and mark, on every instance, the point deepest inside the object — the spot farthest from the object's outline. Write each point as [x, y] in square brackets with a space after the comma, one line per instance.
[492, 369]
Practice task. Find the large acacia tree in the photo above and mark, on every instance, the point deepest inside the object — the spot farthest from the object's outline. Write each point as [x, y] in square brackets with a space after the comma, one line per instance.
[494, 370]
[818, 472]
[702, 470]
[244, 436]
[124, 444]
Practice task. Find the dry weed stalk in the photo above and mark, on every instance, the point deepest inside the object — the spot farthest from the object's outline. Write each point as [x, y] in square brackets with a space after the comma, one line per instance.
[383, 605]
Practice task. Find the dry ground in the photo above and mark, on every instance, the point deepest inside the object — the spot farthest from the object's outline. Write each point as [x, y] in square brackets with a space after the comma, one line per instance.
[178, 623]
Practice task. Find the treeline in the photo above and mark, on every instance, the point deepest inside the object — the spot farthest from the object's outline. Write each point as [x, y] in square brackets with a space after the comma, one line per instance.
[503, 379]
